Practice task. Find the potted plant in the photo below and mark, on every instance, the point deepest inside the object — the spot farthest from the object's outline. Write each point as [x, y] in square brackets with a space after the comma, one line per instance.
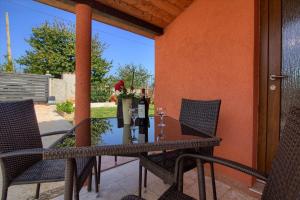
[126, 97]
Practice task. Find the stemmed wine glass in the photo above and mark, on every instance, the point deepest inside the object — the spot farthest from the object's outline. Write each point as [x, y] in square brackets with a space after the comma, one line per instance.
[134, 116]
[160, 111]
[161, 135]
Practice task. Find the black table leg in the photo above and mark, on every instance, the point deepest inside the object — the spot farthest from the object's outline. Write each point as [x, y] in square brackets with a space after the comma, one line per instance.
[140, 179]
[69, 179]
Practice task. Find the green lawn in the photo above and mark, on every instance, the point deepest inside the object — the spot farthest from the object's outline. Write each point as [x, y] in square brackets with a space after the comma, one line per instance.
[112, 112]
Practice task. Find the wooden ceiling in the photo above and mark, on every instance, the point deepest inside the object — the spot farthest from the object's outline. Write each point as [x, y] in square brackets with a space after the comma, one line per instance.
[144, 17]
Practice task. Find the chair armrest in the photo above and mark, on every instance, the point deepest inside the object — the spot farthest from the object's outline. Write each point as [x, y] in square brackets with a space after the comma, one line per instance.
[57, 133]
[228, 163]
[67, 133]
[23, 152]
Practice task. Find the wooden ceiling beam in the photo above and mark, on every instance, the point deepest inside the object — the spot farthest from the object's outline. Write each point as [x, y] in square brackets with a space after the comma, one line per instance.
[148, 7]
[167, 7]
[181, 3]
[112, 17]
[124, 17]
[122, 6]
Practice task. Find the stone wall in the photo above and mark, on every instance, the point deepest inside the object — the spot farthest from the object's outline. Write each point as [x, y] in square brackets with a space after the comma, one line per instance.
[63, 89]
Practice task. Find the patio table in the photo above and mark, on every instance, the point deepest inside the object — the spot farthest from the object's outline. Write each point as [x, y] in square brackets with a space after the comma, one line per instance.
[108, 139]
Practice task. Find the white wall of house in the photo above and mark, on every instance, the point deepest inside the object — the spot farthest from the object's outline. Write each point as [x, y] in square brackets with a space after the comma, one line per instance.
[63, 89]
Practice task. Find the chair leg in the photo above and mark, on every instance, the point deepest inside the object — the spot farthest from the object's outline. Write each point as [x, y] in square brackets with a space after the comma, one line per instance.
[76, 190]
[116, 160]
[89, 188]
[76, 187]
[4, 192]
[140, 180]
[201, 180]
[70, 172]
[76, 194]
[99, 170]
[180, 176]
[96, 177]
[145, 177]
[213, 182]
[37, 192]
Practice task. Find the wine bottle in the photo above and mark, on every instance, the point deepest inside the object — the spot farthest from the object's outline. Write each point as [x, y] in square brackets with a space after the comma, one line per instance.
[143, 108]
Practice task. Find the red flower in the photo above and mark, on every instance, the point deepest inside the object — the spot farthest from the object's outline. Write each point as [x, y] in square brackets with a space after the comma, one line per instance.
[122, 83]
[119, 85]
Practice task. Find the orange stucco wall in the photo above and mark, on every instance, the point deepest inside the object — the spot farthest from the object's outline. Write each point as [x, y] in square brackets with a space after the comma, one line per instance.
[208, 52]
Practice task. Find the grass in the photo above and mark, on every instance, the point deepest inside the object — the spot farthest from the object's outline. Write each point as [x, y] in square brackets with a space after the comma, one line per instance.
[112, 112]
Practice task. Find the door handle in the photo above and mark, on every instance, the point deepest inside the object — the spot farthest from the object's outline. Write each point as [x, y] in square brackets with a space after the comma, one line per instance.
[273, 77]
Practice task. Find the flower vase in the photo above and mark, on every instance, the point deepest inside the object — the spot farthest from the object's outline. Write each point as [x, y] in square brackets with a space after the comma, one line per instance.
[126, 134]
[126, 105]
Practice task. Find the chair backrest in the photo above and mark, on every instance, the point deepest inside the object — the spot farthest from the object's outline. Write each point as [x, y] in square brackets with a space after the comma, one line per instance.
[18, 130]
[284, 178]
[201, 115]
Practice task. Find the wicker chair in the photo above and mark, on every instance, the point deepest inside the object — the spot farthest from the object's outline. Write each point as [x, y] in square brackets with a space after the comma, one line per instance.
[283, 181]
[19, 131]
[200, 115]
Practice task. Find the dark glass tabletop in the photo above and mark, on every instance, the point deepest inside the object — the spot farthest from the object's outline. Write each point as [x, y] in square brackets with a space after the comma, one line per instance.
[107, 132]
[108, 139]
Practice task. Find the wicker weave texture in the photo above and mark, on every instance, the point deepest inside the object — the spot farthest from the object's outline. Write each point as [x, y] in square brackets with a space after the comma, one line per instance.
[201, 115]
[284, 178]
[21, 151]
[18, 130]
[163, 164]
[49, 170]
[72, 152]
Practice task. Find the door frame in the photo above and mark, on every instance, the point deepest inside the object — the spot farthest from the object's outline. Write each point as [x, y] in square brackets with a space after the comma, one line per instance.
[269, 101]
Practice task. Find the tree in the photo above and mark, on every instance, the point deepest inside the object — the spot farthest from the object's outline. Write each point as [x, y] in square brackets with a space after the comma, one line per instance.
[53, 51]
[7, 66]
[125, 73]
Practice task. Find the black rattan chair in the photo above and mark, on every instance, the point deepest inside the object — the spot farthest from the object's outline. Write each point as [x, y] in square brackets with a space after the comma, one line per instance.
[200, 115]
[19, 131]
[283, 181]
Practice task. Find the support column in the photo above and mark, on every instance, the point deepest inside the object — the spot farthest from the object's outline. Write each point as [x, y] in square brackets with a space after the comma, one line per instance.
[83, 72]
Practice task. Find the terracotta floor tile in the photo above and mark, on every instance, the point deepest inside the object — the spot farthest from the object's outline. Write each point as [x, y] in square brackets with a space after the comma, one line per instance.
[123, 180]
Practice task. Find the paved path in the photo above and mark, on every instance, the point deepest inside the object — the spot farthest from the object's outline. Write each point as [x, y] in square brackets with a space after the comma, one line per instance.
[50, 121]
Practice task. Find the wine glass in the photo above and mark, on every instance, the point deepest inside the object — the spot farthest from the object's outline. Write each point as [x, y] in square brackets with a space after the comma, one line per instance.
[134, 116]
[161, 112]
[161, 135]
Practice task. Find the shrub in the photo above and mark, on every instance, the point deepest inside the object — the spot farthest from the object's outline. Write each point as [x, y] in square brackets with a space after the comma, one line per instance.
[66, 107]
[99, 93]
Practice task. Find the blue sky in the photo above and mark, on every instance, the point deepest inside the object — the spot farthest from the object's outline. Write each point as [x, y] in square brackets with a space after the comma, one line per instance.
[123, 47]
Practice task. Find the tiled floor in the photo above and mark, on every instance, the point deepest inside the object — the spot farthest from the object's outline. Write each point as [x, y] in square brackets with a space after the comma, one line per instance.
[123, 180]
